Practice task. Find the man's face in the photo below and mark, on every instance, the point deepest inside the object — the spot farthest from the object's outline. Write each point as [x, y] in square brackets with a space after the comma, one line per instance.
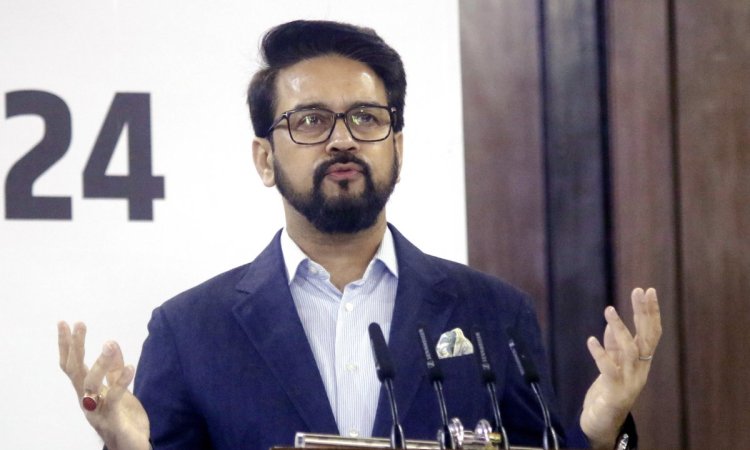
[341, 185]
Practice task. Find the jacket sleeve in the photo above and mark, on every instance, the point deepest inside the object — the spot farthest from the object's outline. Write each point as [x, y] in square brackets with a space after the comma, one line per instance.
[161, 387]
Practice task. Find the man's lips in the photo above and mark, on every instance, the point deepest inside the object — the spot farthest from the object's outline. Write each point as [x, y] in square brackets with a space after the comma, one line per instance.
[347, 171]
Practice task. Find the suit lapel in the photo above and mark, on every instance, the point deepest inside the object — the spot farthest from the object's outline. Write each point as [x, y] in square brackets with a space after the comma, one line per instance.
[269, 318]
[424, 296]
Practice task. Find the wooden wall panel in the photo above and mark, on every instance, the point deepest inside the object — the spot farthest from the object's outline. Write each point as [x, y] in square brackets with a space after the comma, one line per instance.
[575, 152]
[713, 73]
[547, 195]
[643, 189]
[505, 180]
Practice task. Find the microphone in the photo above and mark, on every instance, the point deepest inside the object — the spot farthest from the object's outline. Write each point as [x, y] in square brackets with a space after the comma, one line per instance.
[488, 378]
[386, 372]
[435, 375]
[529, 373]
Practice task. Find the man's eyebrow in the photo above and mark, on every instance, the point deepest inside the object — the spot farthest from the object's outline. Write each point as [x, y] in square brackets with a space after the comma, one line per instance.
[355, 104]
[326, 106]
[310, 105]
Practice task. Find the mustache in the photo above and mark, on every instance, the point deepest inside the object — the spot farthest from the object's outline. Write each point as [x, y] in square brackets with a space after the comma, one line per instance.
[339, 158]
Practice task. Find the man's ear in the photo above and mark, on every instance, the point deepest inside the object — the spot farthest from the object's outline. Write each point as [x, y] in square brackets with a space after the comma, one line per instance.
[398, 147]
[263, 159]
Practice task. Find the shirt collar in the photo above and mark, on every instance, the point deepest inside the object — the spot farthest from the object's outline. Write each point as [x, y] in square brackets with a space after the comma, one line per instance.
[294, 256]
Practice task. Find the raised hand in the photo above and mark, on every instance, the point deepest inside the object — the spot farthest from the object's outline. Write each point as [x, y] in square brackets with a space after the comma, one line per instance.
[624, 362]
[110, 408]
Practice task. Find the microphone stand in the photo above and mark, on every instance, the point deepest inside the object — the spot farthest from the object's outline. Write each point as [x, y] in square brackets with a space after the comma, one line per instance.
[397, 433]
[386, 372]
[529, 373]
[435, 374]
[488, 376]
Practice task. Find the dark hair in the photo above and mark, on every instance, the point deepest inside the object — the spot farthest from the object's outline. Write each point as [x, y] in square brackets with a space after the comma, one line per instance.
[290, 43]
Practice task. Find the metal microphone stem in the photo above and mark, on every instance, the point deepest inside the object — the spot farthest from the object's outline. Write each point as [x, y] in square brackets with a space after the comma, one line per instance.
[439, 390]
[446, 437]
[548, 430]
[496, 412]
[397, 433]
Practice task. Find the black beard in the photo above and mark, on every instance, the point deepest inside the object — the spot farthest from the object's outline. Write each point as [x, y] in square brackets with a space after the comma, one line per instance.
[346, 213]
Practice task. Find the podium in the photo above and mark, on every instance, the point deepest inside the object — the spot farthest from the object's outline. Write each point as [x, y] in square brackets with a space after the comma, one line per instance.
[329, 441]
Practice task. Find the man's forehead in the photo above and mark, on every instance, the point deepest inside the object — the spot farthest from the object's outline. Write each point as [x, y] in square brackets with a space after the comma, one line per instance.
[330, 81]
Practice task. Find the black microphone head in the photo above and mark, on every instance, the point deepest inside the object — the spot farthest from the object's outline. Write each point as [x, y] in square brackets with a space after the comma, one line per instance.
[523, 360]
[383, 364]
[488, 375]
[434, 372]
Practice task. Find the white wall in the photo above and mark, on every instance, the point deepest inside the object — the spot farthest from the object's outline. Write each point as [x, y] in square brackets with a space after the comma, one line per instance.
[194, 58]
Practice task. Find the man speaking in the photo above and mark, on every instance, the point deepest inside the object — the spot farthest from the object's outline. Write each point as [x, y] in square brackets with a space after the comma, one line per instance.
[280, 345]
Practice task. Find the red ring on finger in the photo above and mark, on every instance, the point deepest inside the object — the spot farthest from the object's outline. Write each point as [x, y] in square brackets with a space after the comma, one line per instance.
[90, 402]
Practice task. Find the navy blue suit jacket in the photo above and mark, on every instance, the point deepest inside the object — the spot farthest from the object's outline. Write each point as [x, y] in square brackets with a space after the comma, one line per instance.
[227, 366]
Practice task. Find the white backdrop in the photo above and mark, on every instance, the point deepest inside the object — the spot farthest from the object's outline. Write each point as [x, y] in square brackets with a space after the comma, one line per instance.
[194, 59]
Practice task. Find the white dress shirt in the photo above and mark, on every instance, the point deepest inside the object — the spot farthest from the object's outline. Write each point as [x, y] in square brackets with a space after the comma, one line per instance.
[336, 324]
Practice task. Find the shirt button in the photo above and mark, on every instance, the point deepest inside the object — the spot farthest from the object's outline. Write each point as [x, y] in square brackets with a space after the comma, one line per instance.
[349, 306]
[353, 433]
[351, 367]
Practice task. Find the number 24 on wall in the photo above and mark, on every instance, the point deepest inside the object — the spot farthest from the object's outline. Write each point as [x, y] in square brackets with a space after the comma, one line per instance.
[140, 187]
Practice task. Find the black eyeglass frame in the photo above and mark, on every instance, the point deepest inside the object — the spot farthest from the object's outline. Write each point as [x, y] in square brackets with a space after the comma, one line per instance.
[336, 116]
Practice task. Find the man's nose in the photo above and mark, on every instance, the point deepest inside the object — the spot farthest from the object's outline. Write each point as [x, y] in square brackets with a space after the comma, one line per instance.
[341, 139]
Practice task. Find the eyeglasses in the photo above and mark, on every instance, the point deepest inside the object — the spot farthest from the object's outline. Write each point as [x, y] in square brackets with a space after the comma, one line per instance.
[308, 126]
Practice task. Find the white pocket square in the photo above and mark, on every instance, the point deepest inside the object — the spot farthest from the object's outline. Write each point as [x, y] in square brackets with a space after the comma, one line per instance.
[453, 343]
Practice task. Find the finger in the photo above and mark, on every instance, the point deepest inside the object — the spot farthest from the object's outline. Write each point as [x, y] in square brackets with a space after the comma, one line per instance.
[620, 334]
[604, 363]
[78, 348]
[118, 363]
[610, 343]
[612, 347]
[76, 369]
[641, 311]
[63, 343]
[647, 318]
[106, 362]
[652, 301]
[119, 386]
[645, 304]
